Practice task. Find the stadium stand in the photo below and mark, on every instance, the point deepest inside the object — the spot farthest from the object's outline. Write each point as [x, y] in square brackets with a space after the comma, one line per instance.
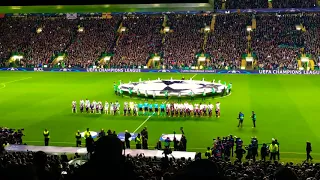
[254, 4]
[140, 39]
[275, 40]
[185, 41]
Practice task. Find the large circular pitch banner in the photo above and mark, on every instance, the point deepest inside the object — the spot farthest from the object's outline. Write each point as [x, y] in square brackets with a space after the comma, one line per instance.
[174, 87]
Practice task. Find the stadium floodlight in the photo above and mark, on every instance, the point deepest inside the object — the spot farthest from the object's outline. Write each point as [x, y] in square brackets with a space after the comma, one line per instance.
[60, 58]
[166, 29]
[17, 57]
[298, 27]
[201, 58]
[123, 29]
[107, 58]
[249, 59]
[207, 29]
[249, 28]
[304, 59]
[156, 58]
[39, 30]
[80, 29]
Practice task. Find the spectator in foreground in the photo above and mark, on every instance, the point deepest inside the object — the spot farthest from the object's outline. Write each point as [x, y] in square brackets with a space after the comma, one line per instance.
[107, 161]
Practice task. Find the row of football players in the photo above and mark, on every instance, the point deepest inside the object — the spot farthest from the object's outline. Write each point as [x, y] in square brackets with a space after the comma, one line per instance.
[132, 108]
[96, 107]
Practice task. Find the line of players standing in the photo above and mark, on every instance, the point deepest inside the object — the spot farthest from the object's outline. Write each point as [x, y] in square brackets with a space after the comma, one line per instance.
[170, 109]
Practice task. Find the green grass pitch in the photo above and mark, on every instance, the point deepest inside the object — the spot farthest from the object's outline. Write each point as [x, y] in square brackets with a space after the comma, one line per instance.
[287, 108]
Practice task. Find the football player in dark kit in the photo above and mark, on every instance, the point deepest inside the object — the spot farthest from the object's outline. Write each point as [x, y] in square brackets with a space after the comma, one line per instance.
[308, 150]
[254, 118]
[240, 118]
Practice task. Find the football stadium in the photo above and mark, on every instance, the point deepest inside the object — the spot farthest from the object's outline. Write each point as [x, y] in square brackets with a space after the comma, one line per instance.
[224, 85]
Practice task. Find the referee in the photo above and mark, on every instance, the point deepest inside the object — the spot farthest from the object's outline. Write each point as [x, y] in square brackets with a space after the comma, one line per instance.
[46, 136]
[78, 139]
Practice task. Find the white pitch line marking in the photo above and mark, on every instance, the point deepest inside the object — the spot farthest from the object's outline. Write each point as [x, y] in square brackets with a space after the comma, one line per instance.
[143, 123]
[194, 76]
[147, 119]
[4, 84]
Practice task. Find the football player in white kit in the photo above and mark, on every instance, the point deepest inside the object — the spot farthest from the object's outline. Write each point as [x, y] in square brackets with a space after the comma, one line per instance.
[131, 107]
[87, 105]
[190, 109]
[111, 108]
[94, 103]
[100, 106]
[106, 107]
[125, 108]
[168, 109]
[204, 110]
[218, 109]
[210, 108]
[74, 106]
[118, 107]
[196, 110]
[81, 105]
[135, 109]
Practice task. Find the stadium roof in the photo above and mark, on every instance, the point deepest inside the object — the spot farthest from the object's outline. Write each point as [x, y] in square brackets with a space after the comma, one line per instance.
[64, 6]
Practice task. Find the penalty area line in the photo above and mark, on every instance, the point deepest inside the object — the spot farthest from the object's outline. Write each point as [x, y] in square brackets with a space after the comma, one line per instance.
[194, 76]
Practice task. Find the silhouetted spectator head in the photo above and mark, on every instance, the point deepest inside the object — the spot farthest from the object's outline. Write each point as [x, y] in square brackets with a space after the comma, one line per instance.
[108, 147]
[285, 174]
[40, 159]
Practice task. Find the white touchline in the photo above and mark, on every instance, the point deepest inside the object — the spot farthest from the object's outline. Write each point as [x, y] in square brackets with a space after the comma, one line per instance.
[194, 76]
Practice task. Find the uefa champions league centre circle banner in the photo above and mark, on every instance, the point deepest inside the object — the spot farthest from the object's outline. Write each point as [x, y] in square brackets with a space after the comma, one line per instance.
[172, 87]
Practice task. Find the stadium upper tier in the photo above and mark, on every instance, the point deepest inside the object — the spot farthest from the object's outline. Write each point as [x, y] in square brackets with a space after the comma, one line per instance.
[253, 4]
[156, 41]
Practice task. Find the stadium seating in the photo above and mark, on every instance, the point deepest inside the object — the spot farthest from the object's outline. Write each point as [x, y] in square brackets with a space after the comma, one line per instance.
[254, 4]
[275, 40]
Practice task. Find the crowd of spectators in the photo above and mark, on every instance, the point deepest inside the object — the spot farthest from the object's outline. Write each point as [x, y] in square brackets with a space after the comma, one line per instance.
[10, 136]
[186, 39]
[254, 4]
[294, 3]
[228, 41]
[107, 161]
[94, 36]
[141, 39]
[275, 40]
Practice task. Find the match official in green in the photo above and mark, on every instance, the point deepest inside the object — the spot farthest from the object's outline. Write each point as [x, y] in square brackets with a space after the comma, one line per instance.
[204, 95]
[115, 87]
[78, 139]
[166, 94]
[130, 92]
[213, 91]
[254, 118]
[46, 136]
